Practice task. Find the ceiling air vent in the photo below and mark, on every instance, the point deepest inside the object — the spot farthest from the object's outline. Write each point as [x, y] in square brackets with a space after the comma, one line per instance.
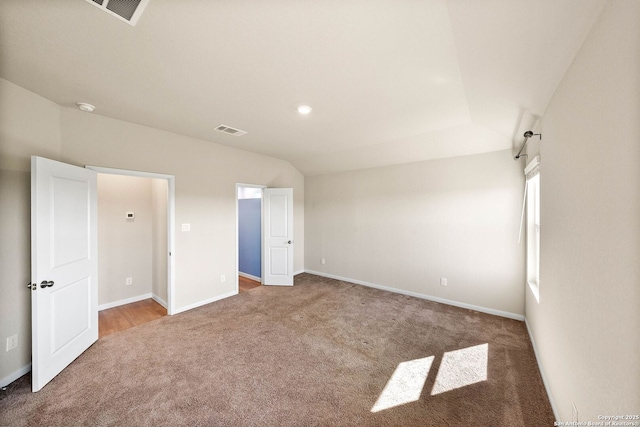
[230, 130]
[128, 11]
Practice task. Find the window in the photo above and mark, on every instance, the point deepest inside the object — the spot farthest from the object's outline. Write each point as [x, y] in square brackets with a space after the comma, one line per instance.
[533, 226]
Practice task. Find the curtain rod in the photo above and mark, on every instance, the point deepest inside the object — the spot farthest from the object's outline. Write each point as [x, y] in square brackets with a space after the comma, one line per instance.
[528, 134]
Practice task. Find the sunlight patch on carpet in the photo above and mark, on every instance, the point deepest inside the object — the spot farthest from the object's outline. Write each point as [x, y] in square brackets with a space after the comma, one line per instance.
[461, 368]
[405, 385]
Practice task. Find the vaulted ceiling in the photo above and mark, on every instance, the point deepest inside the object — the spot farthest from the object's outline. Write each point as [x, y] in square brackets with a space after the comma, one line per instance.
[389, 81]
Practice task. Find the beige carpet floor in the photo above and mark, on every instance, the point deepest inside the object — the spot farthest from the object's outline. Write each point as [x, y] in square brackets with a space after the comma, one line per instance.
[322, 353]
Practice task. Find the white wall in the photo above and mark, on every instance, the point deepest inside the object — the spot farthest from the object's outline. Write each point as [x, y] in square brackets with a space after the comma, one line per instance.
[587, 325]
[406, 226]
[29, 124]
[206, 174]
[15, 271]
[125, 247]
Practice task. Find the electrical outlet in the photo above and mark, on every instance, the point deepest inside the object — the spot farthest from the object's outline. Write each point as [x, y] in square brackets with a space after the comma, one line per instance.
[186, 227]
[12, 342]
[324, 261]
[223, 278]
[129, 281]
[443, 281]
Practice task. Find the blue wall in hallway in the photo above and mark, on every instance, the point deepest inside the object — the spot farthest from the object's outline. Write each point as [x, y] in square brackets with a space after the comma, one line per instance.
[249, 236]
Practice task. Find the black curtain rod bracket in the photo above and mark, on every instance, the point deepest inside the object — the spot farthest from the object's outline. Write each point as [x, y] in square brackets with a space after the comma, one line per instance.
[528, 134]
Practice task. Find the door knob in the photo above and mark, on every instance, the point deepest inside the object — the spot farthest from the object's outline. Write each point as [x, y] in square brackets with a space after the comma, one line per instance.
[45, 284]
[289, 242]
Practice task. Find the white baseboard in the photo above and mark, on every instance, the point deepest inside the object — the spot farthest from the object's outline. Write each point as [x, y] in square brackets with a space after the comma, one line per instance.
[205, 302]
[544, 378]
[15, 375]
[250, 276]
[160, 301]
[259, 279]
[124, 301]
[423, 296]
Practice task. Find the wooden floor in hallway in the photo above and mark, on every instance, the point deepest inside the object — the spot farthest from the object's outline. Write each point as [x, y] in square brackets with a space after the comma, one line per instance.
[245, 284]
[126, 316]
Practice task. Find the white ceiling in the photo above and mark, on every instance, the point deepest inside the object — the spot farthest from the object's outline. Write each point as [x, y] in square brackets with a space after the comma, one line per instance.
[389, 81]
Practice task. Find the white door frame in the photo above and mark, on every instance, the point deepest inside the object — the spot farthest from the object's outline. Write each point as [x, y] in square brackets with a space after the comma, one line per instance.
[238, 186]
[171, 210]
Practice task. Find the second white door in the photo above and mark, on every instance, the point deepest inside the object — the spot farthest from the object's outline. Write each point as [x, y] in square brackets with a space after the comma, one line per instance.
[278, 236]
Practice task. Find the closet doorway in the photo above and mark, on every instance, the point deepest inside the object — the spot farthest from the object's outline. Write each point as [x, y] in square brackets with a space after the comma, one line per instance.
[136, 246]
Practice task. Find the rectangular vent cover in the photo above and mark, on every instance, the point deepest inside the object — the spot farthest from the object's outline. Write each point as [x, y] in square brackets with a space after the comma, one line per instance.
[230, 130]
[128, 11]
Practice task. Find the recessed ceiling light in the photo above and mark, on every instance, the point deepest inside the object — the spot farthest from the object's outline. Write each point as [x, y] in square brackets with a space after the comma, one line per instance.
[304, 109]
[85, 107]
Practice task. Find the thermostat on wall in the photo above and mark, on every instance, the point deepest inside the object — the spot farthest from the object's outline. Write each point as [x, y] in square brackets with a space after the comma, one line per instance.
[130, 216]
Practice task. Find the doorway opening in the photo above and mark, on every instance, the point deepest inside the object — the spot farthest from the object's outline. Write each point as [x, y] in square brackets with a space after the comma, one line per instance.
[150, 232]
[248, 236]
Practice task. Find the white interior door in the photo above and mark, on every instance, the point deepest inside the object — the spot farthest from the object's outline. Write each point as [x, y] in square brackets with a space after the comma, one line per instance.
[64, 266]
[278, 236]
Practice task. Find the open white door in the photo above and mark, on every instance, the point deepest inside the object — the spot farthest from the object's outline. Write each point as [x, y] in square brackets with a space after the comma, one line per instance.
[64, 266]
[277, 236]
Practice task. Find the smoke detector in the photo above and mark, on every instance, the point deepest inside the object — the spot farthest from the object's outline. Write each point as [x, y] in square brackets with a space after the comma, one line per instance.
[86, 107]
